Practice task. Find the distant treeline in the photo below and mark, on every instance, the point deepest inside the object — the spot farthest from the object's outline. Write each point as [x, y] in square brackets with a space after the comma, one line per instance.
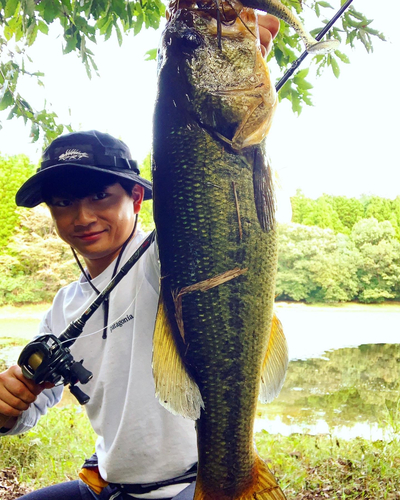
[340, 249]
[340, 213]
[319, 265]
[337, 249]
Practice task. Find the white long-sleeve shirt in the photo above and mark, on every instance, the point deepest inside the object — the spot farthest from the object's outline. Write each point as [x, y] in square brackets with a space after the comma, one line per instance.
[138, 440]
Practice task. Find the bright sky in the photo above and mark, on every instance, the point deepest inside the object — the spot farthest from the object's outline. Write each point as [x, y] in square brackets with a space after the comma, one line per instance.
[346, 144]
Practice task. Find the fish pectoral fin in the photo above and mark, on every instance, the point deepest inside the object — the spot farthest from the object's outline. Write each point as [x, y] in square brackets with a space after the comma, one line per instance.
[275, 363]
[175, 388]
[264, 195]
[261, 485]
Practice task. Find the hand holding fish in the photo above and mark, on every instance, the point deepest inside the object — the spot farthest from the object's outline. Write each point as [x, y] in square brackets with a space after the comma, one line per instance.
[268, 27]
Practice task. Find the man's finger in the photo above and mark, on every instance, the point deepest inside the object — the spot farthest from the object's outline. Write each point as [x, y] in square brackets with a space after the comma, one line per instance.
[268, 27]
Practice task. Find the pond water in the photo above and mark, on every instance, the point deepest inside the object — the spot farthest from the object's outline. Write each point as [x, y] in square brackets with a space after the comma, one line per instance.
[343, 377]
[344, 373]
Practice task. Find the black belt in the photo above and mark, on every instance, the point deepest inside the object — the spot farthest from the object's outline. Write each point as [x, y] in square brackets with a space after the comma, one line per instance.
[139, 489]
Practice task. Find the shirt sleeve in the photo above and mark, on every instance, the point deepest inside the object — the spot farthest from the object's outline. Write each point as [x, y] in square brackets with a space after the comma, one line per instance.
[45, 400]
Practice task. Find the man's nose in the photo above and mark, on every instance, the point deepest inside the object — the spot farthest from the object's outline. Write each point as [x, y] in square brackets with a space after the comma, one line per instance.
[84, 214]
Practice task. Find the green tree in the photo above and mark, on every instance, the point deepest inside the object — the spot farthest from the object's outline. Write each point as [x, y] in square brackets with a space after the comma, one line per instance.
[324, 215]
[349, 211]
[36, 262]
[396, 215]
[83, 22]
[320, 212]
[146, 213]
[301, 207]
[14, 170]
[379, 266]
[380, 208]
[315, 265]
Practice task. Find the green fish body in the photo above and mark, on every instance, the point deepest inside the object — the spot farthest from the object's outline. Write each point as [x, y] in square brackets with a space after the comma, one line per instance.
[217, 343]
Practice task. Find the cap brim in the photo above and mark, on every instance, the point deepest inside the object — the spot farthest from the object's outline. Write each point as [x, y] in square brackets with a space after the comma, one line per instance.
[30, 193]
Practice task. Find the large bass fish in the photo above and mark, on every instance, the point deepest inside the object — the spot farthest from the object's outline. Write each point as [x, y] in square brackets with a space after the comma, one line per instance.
[217, 344]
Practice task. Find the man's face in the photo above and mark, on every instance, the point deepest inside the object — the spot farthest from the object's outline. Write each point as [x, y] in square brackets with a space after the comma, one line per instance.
[98, 225]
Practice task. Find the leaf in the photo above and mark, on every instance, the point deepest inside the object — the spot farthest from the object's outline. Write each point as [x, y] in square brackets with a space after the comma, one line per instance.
[303, 84]
[296, 103]
[10, 8]
[50, 11]
[43, 27]
[7, 100]
[342, 57]
[303, 73]
[118, 31]
[335, 67]
[35, 132]
[151, 55]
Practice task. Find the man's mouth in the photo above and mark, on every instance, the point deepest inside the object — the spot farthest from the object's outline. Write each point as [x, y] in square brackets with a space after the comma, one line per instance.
[89, 236]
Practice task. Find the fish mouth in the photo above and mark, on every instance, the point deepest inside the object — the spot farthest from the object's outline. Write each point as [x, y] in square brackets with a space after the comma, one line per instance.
[228, 16]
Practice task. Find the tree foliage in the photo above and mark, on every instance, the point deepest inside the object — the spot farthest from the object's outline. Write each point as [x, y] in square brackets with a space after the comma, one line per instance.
[36, 263]
[318, 265]
[83, 22]
[13, 172]
[340, 213]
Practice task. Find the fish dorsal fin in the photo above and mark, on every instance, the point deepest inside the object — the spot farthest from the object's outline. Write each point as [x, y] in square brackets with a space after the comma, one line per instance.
[275, 363]
[175, 388]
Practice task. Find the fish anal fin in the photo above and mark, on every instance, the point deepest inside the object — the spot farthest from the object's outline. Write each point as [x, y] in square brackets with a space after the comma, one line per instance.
[263, 486]
[275, 363]
[175, 388]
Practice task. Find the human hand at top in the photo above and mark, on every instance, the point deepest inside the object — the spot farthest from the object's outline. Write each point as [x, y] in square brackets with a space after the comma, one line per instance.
[268, 27]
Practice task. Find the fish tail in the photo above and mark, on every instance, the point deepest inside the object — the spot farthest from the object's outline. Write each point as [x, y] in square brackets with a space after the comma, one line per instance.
[315, 47]
[262, 487]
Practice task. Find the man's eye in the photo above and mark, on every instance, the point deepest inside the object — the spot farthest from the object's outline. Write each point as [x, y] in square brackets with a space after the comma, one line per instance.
[100, 196]
[62, 203]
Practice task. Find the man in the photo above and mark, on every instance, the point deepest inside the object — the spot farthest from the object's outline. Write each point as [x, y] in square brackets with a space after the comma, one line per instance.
[94, 192]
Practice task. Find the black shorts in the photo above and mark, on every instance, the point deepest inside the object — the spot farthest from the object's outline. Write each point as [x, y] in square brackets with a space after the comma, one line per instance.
[77, 490]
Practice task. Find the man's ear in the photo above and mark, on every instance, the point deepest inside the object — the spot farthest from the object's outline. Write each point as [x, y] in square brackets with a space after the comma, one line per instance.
[137, 195]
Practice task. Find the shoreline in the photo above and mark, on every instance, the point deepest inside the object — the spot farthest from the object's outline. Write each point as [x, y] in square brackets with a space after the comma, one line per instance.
[36, 311]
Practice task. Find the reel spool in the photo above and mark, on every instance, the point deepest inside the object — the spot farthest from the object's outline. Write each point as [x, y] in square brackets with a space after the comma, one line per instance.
[46, 359]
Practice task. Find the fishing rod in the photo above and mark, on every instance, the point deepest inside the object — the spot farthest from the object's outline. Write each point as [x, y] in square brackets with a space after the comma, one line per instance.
[322, 33]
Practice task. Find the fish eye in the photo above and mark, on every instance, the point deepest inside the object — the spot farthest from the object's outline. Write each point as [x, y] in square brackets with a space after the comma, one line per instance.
[190, 40]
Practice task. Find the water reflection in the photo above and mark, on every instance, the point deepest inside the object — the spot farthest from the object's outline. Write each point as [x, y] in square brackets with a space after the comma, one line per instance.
[347, 392]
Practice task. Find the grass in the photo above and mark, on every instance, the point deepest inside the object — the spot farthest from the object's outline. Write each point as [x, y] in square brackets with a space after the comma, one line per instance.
[51, 452]
[307, 467]
[35, 311]
[320, 467]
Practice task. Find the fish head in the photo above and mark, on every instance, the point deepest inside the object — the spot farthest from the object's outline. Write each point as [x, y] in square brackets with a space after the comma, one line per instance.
[222, 81]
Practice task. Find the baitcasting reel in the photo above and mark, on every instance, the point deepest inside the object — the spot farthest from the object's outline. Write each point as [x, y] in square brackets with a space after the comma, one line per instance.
[46, 359]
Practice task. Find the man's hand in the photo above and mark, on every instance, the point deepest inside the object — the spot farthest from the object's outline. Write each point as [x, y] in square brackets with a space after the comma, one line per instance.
[17, 393]
[268, 27]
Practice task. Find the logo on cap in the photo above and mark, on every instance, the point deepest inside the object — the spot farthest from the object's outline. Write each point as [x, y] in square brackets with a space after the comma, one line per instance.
[72, 154]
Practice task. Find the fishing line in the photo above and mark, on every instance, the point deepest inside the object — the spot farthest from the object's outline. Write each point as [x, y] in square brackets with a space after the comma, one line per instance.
[300, 59]
[82, 336]
[75, 328]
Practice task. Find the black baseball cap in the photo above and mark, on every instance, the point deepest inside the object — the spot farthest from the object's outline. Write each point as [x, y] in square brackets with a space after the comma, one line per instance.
[90, 150]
